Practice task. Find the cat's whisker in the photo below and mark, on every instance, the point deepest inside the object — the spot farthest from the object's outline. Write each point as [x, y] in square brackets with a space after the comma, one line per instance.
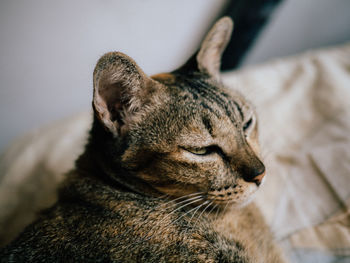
[223, 211]
[210, 203]
[212, 208]
[181, 197]
[196, 208]
[217, 213]
[169, 204]
[196, 199]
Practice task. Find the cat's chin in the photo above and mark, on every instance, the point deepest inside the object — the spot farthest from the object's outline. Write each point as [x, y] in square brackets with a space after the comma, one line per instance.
[238, 204]
[244, 202]
[248, 195]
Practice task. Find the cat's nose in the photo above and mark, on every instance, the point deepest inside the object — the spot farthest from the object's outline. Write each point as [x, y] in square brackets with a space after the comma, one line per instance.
[258, 179]
[254, 174]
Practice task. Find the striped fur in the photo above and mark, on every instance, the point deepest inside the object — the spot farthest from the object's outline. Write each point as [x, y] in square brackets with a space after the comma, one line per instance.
[170, 166]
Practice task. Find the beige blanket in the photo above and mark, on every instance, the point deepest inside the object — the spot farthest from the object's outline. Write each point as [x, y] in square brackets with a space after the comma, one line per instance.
[304, 108]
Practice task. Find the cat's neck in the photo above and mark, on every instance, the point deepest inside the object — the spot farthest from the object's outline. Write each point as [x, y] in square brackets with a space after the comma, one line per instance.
[97, 161]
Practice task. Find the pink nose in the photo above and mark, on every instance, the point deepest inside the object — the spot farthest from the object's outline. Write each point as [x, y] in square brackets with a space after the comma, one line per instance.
[258, 179]
[253, 174]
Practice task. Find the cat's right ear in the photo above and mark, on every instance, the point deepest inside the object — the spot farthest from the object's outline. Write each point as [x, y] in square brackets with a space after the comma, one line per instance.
[208, 59]
[120, 88]
[213, 45]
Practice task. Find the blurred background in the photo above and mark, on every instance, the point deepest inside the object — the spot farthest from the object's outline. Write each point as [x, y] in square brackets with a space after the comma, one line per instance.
[49, 48]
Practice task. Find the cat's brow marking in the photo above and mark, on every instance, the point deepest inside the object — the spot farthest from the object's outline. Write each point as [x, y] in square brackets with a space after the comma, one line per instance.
[239, 109]
[216, 97]
[208, 125]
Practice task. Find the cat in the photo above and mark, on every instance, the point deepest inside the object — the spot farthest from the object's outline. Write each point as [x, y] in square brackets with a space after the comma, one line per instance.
[167, 175]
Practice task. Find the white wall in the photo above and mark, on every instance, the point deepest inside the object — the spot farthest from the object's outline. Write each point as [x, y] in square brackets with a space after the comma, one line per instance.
[300, 25]
[49, 48]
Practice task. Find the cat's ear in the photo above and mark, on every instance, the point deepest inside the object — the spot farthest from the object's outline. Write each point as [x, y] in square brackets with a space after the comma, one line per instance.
[213, 45]
[208, 59]
[120, 88]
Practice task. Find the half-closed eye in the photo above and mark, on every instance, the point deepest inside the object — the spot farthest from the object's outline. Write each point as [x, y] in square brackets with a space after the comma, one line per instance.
[205, 150]
[198, 151]
[248, 124]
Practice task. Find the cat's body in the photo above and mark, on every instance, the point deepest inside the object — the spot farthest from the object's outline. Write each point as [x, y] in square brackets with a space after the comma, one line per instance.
[100, 223]
[169, 166]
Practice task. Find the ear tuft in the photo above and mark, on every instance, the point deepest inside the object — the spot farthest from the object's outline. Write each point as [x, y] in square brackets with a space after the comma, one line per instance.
[214, 44]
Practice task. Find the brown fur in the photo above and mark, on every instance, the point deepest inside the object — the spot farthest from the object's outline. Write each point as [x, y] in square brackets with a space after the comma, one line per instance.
[169, 166]
[166, 78]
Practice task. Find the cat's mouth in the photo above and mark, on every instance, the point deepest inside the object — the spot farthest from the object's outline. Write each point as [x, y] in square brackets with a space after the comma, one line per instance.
[214, 200]
[225, 191]
[235, 194]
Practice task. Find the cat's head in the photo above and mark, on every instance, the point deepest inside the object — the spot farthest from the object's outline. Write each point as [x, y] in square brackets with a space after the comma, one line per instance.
[178, 133]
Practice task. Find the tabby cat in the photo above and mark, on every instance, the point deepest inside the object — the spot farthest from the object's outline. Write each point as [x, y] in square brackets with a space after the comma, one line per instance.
[168, 172]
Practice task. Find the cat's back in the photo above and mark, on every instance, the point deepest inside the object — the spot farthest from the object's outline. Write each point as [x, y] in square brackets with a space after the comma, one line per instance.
[75, 228]
[94, 222]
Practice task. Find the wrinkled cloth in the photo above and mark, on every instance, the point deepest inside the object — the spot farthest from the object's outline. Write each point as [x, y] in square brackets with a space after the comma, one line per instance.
[304, 109]
[303, 104]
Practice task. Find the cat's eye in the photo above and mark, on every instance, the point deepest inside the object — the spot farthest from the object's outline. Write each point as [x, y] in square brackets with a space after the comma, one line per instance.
[205, 150]
[247, 124]
[198, 151]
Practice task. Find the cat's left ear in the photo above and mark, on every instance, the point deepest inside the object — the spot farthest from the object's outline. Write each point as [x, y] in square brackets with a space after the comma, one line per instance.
[121, 89]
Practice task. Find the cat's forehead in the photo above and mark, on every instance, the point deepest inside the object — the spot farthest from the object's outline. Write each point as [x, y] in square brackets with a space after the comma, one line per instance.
[197, 109]
[209, 95]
